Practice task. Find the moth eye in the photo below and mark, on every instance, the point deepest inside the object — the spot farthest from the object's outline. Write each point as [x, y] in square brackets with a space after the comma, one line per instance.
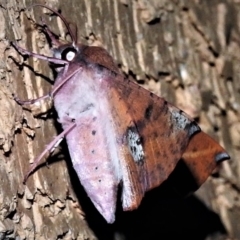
[68, 54]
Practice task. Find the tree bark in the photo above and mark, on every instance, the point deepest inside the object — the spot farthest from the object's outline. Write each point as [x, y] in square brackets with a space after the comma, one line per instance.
[185, 51]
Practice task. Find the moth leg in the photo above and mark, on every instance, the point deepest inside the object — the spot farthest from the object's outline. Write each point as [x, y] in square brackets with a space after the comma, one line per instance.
[49, 148]
[50, 94]
[39, 56]
[31, 101]
[56, 88]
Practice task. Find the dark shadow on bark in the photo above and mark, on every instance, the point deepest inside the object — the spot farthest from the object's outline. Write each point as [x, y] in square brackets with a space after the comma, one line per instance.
[161, 218]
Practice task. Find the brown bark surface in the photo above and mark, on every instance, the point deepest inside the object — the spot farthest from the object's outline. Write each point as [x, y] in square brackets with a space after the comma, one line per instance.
[185, 51]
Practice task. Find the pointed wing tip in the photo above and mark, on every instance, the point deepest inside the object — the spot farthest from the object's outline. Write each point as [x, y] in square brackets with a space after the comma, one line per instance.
[220, 157]
[110, 220]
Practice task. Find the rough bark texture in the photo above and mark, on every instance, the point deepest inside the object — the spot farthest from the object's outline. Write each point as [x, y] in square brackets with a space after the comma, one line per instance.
[185, 51]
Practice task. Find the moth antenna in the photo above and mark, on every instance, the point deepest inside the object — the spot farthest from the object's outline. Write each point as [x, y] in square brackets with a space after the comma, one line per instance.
[73, 36]
[76, 33]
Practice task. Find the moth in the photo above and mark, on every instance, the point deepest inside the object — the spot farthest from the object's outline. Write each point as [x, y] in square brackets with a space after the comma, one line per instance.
[117, 132]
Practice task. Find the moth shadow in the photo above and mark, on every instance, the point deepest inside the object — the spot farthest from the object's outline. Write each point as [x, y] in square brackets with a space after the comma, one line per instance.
[22, 65]
[167, 219]
[163, 213]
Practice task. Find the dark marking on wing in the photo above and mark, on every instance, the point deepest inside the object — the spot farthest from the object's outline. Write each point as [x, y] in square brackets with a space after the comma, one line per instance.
[148, 112]
[140, 125]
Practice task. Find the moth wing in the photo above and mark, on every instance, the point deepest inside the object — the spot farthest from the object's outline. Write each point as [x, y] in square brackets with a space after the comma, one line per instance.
[154, 136]
[100, 56]
[202, 156]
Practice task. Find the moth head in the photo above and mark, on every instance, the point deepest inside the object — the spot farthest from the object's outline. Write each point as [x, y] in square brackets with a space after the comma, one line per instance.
[60, 50]
[65, 52]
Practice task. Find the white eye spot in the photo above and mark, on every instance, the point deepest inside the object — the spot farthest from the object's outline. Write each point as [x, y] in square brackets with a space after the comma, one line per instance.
[70, 55]
[135, 146]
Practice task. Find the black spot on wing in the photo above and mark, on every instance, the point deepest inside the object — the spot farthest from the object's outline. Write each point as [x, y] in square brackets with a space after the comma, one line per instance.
[139, 141]
[148, 112]
[155, 135]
